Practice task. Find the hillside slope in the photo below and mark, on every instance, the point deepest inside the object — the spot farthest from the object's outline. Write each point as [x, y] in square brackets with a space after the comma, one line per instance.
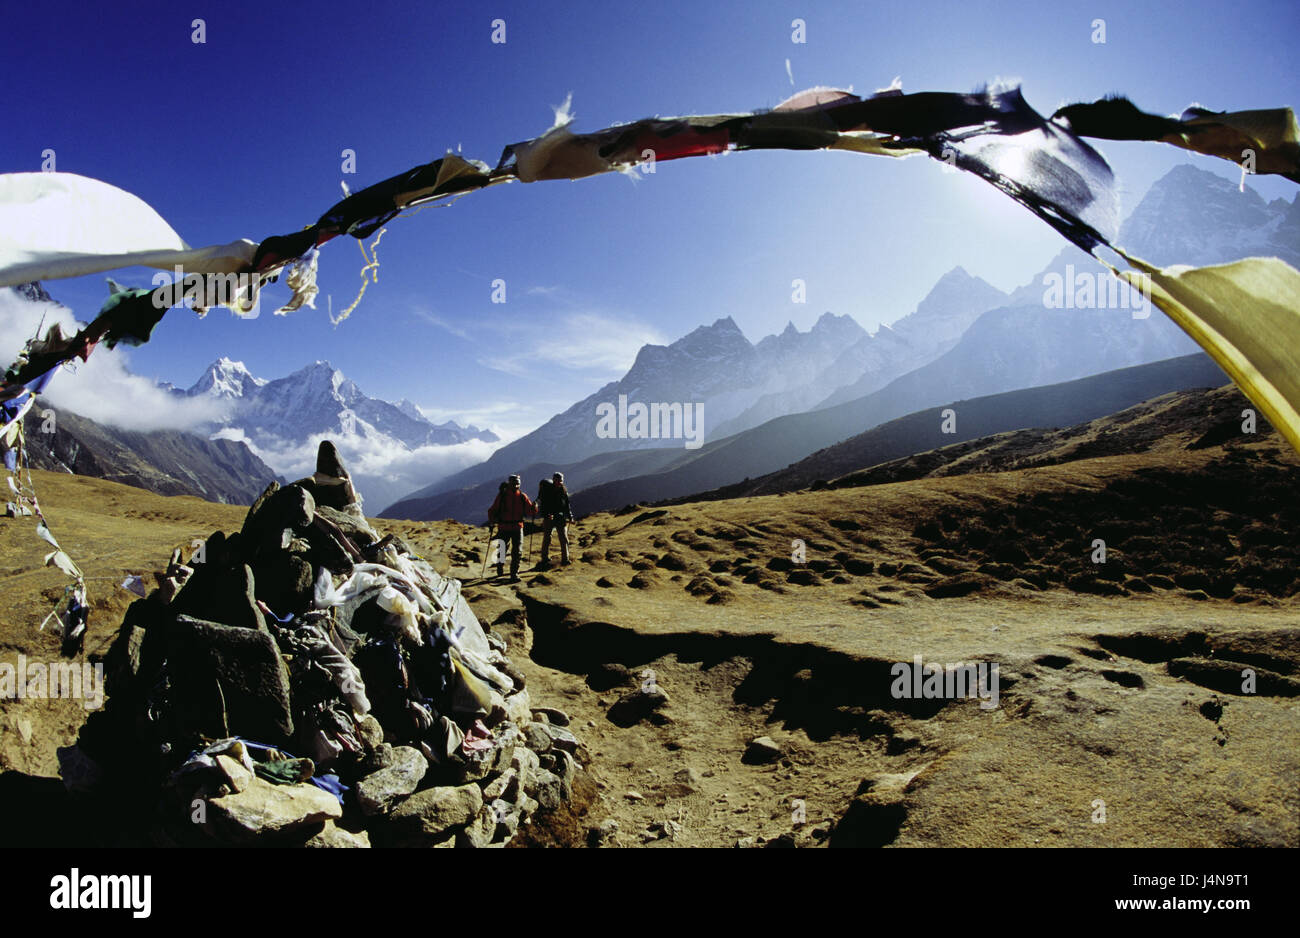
[168, 462]
[918, 439]
[1119, 682]
[768, 448]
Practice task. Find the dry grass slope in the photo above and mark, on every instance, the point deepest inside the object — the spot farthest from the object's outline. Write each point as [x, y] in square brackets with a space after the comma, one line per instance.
[1120, 684]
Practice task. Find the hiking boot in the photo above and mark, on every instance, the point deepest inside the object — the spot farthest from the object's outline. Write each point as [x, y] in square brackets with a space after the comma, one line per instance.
[543, 565]
[514, 578]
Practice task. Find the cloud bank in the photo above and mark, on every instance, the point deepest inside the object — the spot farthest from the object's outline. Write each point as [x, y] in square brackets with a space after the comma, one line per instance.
[383, 470]
[582, 342]
[102, 388]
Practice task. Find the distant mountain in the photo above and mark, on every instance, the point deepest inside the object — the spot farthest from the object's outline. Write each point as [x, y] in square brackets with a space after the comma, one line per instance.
[955, 301]
[795, 370]
[1056, 405]
[767, 457]
[742, 385]
[1192, 216]
[469, 503]
[284, 419]
[35, 292]
[168, 462]
[225, 379]
[1195, 217]
[768, 448]
[318, 399]
[714, 366]
[965, 340]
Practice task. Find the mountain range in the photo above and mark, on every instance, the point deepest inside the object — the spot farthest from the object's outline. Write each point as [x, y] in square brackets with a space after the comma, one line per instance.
[318, 399]
[740, 384]
[284, 419]
[1055, 405]
[964, 340]
[765, 406]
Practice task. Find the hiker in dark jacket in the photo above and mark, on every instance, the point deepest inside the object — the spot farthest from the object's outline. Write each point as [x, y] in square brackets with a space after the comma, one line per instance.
[508, 512]
[553, 506]
[493, 536]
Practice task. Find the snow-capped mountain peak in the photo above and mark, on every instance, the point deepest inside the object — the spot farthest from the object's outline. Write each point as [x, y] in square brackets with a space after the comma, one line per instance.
[319, 398]
[1194, 216]
[408, 407]
[283, 419]
[225, 378]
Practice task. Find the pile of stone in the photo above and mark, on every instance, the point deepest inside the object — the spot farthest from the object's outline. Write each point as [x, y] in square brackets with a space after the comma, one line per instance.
[309, 681]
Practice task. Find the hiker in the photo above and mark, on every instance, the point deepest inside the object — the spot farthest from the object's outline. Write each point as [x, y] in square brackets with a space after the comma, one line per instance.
[508, 512]
[553, 506]
[492, 522]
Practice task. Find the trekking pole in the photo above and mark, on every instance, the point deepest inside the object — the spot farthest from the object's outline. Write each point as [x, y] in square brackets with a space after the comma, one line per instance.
[487, 553]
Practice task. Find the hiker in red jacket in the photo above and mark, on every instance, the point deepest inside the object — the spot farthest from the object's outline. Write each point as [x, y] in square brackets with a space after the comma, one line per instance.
[508, 513]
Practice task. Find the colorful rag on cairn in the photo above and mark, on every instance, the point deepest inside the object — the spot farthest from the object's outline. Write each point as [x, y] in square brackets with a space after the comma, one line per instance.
[73, 226]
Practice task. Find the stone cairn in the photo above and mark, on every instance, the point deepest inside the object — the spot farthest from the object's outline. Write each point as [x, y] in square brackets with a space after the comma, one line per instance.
[307, 681]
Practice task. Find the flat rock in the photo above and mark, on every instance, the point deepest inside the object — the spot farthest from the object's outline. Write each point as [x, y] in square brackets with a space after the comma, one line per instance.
[433, 815]
[479, 832]
[553, 716]
[284, 581]
[537, 738]
[370, 732]
[335, 837]
[548, 788]
[379, 791]
[762, 749]
[525, 762]
[264, 810]
[229, 679]
[636, 705]
[381, 757]
[221, 594]
[291, 507]
[237, 776]
[503, 786]
[356, 528]
[557, 738]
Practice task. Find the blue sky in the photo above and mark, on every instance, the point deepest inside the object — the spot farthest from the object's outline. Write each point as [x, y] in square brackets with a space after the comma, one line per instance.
[242, 137]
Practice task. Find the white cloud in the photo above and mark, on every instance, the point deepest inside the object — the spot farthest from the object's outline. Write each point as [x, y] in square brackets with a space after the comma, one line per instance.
[508, 419]
[442, 324]
[583, 342]
[101, 388]
[382, 470]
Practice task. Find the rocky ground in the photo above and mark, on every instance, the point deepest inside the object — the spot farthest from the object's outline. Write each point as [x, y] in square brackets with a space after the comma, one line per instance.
[730, 689]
